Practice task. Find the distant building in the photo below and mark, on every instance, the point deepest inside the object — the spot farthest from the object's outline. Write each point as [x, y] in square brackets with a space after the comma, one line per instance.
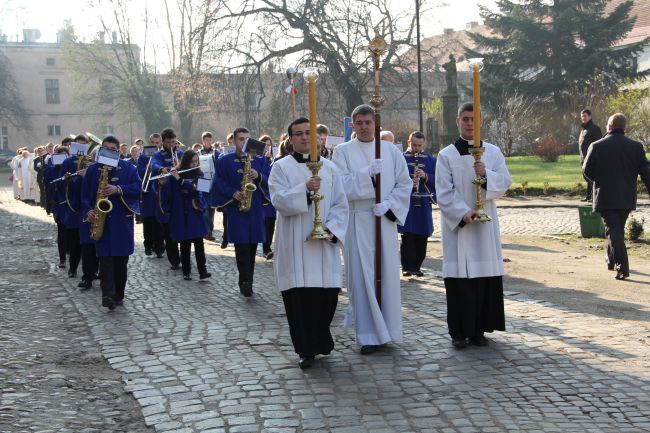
[50, 98]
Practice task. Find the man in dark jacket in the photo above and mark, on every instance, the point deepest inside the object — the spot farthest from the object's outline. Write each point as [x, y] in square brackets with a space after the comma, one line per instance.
[590, 133]
[613, 164]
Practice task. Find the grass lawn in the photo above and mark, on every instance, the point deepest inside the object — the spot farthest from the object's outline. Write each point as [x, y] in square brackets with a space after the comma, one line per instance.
[563, 174]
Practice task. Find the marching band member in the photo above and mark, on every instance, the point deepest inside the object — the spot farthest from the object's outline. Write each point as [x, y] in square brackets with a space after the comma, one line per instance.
[267, 206]
[56, 197]
[89, 259]
[209, 149]
[245, 229]
[116, 243]
[154, 239]
[162, 161]
[72, 215]
[308, 273]
[419, 221]
[187, 207]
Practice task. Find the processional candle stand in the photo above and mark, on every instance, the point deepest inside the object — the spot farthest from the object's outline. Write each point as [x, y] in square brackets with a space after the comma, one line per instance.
[314, 165]
[476, 150]
[291, 75]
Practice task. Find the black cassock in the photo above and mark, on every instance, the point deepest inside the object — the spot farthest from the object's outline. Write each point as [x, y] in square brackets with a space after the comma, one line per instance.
[310, 311]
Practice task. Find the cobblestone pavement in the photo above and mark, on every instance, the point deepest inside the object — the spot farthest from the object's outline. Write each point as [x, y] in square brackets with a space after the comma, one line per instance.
[199, 358]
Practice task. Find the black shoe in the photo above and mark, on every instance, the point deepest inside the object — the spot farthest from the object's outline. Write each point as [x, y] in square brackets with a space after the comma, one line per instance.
[368, 349]
[246, 289]
[622, 275]
[459, 343]
[305, 362]
[224, 245]
[72, 274]
[611, 267]
[159, 255]
[175, 267]
[268, 256]
[85, 285]
[108, 302]
[119, 302]
[209, 238]
[187, 277]
[478, 341]
[418, 273]
[406, 273]
[203, 275]
[147, 251]
[62, 264]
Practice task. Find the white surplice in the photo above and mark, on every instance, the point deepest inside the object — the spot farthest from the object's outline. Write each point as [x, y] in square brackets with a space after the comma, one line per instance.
[475, 249]
[24, 176]
[299, 262]
[373, 325]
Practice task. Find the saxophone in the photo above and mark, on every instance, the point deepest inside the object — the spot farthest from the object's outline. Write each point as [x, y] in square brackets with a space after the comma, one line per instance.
[102, 206]
[247, 187]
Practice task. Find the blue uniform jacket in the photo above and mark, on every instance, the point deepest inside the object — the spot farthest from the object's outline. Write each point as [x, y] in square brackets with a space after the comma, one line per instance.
[267, 207]
[50, 173]
[419, 220]
[147, 199]
[162, 193]
[72, 193]
[117, 239]
[185, 221]
[243, 227]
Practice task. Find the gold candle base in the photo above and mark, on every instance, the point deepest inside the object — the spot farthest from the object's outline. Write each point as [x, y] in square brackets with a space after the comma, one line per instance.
[318, 232]
[477, 152]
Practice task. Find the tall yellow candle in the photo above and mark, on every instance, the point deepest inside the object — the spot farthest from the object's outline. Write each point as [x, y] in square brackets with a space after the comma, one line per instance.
[477, 106]
[313, 148]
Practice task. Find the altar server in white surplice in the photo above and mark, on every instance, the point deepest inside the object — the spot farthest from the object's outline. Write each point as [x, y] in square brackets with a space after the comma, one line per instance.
[308, 273]
[472, 264]
[374, 325]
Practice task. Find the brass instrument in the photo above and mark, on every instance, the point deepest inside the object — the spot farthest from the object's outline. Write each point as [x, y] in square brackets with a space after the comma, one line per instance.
[102, 206]
[247, 187]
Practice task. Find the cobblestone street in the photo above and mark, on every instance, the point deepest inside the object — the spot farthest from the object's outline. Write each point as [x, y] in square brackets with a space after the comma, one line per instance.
[196, 357]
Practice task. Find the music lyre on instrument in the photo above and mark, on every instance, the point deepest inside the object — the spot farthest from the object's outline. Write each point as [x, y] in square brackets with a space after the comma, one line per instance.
[476, 150]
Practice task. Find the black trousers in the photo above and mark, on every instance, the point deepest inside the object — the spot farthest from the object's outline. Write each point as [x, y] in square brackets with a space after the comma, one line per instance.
[89, 262]
[309, 312]
[73, 246]
[171, 246]
[112, 273]
[590, 188]
[60, 241]
[41, 190]
[153, 235]
[245, 257]
[199, 255]
[269, 225]
[225, 228]
[413, 251]
[209, 218]
[615, 233]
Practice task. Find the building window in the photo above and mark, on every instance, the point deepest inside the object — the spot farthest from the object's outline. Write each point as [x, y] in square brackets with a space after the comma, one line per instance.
[108, 130]
[49, 61]
[4, 137]
[54, 130]
[52, 92]
[106, 91]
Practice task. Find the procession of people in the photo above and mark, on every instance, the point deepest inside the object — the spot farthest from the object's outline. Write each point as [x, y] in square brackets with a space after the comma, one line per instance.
[320, 228]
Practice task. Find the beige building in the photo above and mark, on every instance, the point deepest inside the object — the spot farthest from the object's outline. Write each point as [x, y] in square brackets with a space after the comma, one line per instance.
[52, 102]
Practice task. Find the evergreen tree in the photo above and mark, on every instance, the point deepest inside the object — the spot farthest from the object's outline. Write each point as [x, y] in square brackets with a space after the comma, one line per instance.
[551, 48]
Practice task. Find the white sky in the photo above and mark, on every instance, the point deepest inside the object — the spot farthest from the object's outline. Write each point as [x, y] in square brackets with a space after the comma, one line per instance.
[48, 16]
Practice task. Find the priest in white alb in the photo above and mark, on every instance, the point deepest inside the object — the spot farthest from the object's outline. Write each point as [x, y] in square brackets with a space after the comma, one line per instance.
[308, 273]
[472, 262]
[375, 324]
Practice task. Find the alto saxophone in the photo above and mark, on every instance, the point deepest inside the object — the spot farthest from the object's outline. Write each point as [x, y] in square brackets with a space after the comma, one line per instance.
[247, 187]
[102, 206]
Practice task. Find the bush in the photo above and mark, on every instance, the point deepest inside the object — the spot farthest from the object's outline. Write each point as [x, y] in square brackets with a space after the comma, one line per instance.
[634, 228]
[548, 148]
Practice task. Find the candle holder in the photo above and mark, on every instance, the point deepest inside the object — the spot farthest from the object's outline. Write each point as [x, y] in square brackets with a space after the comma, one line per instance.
[291, 90]
[476, 150]
[318, 232]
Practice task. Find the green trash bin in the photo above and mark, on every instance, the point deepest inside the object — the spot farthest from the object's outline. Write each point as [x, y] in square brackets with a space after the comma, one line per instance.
[591, 223]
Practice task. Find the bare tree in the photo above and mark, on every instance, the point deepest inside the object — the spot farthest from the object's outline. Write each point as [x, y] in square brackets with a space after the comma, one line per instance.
[513, 122]
[112, 74]
[326, 34]
[11, 103]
